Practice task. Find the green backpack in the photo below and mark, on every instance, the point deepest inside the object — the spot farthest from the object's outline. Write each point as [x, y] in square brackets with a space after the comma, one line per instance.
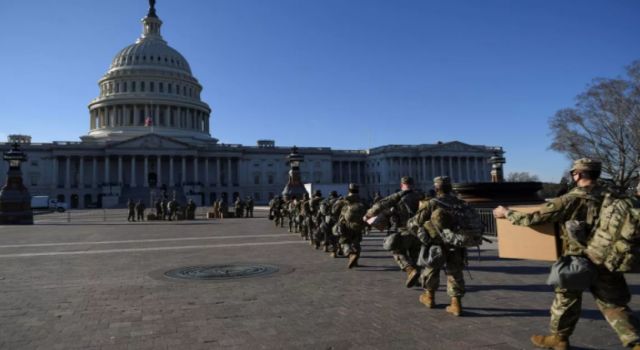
[352, 214]
[615, 239]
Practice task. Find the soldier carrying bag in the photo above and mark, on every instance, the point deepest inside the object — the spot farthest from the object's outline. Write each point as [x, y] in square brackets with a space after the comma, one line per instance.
[458, 224]
[615, 239]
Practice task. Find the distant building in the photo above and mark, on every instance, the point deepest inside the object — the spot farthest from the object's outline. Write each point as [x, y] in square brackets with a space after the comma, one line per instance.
[150, 135]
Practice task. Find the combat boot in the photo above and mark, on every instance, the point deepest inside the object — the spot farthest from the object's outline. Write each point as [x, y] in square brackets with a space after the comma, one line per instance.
[334, 255]
[636, 347]
[553, 341]
[456, 307]
[353, 260]
[412, 276]
[428, 298]
[325, 249]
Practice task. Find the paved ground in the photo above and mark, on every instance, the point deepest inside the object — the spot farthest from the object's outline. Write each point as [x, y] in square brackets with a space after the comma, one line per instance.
[95, 284]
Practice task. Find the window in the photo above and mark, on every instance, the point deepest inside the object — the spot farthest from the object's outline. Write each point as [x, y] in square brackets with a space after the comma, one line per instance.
[142, 86]
[161, 87]
[256, 179]
[124, 86]
[151, 86]
[270, 179]
[169, 89]
[117, 87]
[133, 86]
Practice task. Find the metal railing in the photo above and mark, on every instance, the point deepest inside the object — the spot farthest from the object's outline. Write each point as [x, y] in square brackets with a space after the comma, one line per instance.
[489, 221]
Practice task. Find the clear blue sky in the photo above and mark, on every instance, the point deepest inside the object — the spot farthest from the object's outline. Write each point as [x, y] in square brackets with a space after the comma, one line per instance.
[346, 74]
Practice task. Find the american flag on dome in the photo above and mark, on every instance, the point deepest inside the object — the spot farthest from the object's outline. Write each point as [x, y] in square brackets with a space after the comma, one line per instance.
[148, 121]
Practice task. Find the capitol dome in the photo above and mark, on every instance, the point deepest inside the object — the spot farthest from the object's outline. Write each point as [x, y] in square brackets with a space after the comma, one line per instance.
[149, 88]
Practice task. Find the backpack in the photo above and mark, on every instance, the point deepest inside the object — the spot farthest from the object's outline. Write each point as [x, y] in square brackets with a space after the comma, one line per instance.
[615, 238]
[352, 214]
[458, 224]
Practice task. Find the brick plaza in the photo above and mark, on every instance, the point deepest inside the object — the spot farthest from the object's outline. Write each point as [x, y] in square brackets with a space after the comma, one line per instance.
[94, 281]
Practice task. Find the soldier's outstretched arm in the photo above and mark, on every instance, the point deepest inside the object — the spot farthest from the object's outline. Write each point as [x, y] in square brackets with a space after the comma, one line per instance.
[551, 211]
[384, 204]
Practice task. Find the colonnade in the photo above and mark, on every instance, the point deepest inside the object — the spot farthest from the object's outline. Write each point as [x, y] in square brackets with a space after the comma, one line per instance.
[424, 169]
[71, 171]
[162, 116]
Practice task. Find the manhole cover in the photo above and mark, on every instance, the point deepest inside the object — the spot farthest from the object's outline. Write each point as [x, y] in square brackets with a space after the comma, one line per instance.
[222, 272]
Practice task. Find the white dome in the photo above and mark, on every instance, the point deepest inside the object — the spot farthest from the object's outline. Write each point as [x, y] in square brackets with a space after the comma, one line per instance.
[148, 53]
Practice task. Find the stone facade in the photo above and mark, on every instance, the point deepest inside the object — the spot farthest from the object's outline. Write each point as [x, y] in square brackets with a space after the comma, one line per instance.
[149, 134]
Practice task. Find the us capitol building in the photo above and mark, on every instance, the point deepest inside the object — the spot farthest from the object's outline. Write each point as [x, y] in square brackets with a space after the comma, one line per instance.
[150, 133]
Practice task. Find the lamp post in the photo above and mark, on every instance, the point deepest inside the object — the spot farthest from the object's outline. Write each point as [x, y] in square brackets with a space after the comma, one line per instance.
[15, 200]
[497, 161]
[294, 185]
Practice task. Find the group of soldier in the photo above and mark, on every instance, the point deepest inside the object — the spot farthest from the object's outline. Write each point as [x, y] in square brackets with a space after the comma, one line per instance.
[242, 208]
[420, 224]
[165, 209]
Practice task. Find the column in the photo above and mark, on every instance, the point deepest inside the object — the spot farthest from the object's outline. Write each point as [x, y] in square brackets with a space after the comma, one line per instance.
[184, 170]
[145, 181]
[425, 178]
[441, 166]
[349, 166]
[358, 172]
[146, 113]
[135, 115]
[171, 182]
[54, 181]
[340, 179]
[159, 171]
[218, 174]
[206, 171]
[133, 172]
[106, 169]
[466, 163]
[120, 180]
[451, 169]
[67, 178]
[459, 162]
[156, 121]
[81, 184]
[229, 183]
[195, 169]
[94, 173]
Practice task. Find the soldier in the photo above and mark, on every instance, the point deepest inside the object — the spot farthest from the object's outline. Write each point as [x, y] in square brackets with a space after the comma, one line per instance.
[238, 207]
[324, 229]
[304, 216]
[293, 213]
[315, 219]
[190, 210]
[403, 204]
[132, 210]
[453, 258]
[140, 210]
[166, 212]
[350, 225]
[173, 209]
[158, 206]
[216, 209]
[249, 210]
[609, 288]
[224, 208]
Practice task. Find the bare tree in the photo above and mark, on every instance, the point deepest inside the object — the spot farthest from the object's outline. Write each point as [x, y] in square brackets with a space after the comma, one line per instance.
[604, 125]
[522, 177]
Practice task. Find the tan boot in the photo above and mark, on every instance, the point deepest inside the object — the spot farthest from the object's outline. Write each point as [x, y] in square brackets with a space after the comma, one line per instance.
[353, 260]
[412, 276]
[428, 298]
[553, 341]
[456, 307]
[334, 255]
[636, 347]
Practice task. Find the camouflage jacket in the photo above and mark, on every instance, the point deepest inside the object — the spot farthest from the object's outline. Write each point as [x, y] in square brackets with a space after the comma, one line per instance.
[581, 204]
[404, 204]
[424, 216]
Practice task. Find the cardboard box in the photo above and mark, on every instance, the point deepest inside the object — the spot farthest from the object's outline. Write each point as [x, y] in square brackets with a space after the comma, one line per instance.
[538, 242]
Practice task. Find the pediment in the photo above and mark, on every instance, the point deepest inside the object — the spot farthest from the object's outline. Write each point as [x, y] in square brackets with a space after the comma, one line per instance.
[151, 141]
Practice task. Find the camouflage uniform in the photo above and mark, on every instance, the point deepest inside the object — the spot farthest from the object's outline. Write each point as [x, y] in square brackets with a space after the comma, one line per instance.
[239, 207]
[404, 204]
[608, 288]
[454, 257]
[132, 210]
[140, 210]
[249, 210]
[315, 219]
[324, 234]
[293, 206]
[305, 217]
[349, 238]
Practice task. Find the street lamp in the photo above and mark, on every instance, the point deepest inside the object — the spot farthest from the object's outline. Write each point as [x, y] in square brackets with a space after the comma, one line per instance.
[294, 185]
[15, 200]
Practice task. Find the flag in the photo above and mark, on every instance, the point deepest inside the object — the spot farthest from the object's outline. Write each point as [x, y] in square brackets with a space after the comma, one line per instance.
[148, 121]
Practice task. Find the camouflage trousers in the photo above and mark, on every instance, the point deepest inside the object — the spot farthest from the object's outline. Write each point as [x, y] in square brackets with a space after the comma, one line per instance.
[454, 270]
[612, 296]
[350, 242]
[408, 250]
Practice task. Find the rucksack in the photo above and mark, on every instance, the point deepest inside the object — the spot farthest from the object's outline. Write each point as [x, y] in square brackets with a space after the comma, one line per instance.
[457, 223]
[352, 214]
[615, 238]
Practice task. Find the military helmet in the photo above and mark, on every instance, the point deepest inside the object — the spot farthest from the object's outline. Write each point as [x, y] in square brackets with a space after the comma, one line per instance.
[354, 188]
[586, 164]
[317, 193]
[406, 180]
[334, 194]
[444, 180]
